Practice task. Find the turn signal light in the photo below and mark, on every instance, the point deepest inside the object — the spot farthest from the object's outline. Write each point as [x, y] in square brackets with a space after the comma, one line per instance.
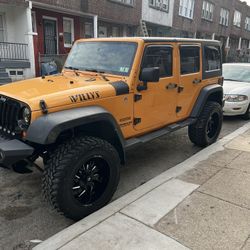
[23, 134]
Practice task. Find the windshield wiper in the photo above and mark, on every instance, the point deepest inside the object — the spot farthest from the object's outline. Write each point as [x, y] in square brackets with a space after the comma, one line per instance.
[232, 80]
[99, 72]
[94, 70]
[72, 68]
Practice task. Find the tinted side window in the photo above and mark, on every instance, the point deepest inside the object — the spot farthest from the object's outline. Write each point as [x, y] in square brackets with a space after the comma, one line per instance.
[212, 58]
[190, 60]
[159, 57]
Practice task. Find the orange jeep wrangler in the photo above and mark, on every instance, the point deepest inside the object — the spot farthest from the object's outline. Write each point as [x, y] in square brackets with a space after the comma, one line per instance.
[113, 93]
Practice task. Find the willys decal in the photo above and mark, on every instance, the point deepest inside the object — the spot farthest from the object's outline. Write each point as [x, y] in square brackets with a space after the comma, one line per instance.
[85, 97]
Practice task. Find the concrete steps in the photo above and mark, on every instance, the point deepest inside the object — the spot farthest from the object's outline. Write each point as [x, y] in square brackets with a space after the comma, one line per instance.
[4, 77]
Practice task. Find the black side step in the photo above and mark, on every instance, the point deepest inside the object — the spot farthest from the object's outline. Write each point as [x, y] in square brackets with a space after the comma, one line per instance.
[158, 133]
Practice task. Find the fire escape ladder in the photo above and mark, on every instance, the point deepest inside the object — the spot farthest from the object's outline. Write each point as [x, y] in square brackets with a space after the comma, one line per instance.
[144, 29]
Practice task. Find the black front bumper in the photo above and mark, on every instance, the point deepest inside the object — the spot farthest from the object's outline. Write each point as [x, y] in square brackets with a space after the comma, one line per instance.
[12, 151]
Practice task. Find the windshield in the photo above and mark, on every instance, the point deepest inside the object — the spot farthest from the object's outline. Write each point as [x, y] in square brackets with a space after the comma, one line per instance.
[237, 73]
[104, 57]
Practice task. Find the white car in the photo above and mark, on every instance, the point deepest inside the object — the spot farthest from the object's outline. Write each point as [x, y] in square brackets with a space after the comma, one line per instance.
[236, 89]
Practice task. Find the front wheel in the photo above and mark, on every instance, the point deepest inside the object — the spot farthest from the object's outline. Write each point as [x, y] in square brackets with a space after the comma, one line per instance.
[81, 176]
[208, 126]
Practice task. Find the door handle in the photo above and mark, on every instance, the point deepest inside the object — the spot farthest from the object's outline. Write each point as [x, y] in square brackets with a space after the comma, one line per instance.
[196, 81]
[171, 86]
[180, 88]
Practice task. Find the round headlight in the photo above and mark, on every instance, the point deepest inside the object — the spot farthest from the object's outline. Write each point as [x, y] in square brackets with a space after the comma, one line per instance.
[26, 115]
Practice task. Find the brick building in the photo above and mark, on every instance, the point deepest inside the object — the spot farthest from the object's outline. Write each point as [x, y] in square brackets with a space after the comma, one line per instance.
[36, 32]
[115, 18]
[224, 20]
[42, 31]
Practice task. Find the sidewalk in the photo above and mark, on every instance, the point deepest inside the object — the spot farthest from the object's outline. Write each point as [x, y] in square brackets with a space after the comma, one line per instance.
[202, 203]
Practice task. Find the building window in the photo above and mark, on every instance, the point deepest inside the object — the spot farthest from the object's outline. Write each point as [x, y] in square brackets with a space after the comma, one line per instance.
[2, 28]
[88, 30]
[247, 23]
[237, 18]
[126, 2]
[68, 32]
[161, 57]
[115, 32]
[103, 31]
[159, 4]
[33, 16]
[224, 17]
[186, 8]
[190, 60]
[207, 10]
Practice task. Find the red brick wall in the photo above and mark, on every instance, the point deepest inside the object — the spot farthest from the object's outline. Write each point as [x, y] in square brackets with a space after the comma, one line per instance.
[210, 27]
[116, 12]
[79, 5]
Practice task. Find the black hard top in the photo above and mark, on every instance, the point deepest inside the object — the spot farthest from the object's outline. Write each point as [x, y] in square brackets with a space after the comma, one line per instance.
[177, 39]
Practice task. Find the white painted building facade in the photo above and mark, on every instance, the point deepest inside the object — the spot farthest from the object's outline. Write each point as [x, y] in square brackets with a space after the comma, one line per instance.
[158, 15]
[16, 41]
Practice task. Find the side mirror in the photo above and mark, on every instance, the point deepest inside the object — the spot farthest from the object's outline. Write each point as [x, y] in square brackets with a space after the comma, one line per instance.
[148, 75]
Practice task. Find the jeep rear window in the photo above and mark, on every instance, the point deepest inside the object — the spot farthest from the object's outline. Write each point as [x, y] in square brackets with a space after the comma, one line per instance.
[212, 58]
[106, 57]
[190, 59]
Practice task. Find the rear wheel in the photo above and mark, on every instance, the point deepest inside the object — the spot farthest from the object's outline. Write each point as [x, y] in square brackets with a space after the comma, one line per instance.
[81, 176]
[208, 126]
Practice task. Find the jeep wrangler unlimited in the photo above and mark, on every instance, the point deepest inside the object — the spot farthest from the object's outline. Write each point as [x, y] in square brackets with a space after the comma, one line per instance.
[113, 93]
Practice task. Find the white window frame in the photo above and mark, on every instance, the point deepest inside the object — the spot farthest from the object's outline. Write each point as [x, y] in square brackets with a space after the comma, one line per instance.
[247, 23]
[67, 45]
[34, 25]
[4, 29]
[159, 5]
[186, 8]
[224, 17]
[237, 18]
[207, 11]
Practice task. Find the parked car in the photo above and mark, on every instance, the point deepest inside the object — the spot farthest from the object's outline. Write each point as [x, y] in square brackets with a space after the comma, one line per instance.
[236, 89]
[113, 93]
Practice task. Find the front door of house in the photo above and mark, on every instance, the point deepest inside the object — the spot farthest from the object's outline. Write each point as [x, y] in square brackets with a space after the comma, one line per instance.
[50, 36]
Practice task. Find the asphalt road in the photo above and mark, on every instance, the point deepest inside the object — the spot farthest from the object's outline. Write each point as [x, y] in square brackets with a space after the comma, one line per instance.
[25, 216]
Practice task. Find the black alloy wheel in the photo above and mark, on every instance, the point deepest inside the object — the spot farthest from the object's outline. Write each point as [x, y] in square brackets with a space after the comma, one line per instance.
[90, 180]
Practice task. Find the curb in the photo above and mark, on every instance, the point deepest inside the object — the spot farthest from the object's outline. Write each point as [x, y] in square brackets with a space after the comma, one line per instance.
[65, 236]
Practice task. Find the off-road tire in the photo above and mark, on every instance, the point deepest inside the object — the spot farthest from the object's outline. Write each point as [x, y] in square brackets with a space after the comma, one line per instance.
[62, 166]
[198, 132]
[246, 116]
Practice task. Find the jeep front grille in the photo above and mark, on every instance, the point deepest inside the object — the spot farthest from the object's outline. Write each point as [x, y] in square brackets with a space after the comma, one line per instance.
[9, 114]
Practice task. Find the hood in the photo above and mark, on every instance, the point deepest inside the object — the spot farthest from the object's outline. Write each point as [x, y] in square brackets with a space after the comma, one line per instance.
[60, 90]
[233, 87]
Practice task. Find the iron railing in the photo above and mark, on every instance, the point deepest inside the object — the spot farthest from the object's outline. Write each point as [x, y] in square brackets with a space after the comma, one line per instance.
[13, 51]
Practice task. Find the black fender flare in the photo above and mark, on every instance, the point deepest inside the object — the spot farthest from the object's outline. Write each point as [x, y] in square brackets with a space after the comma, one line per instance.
[212, 92]
[46, 129]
